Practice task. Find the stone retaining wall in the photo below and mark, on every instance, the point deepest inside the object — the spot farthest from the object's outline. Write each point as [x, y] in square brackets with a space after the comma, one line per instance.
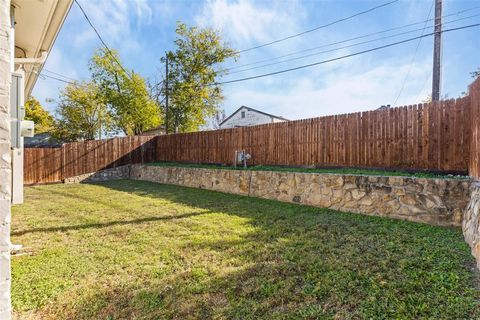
[433, 201]
[122, 172]
[447, 202]
[471, 222]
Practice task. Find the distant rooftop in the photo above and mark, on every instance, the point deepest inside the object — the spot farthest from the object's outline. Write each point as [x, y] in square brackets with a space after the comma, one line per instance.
[255, 110]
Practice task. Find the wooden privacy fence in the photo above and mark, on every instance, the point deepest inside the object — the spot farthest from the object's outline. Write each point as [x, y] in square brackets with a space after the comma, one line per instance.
[49, 165]
[443, 136]
[424, 136]
[474, 165]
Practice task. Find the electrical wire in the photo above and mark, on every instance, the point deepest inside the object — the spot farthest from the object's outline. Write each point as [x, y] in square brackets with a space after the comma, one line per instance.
[358, 37]
[75, 83]
[58, 74]
[423, 86]
[348, 46]
[342, 57]
[43, 76]
[319, 27]
[319, 62]
[414, 57]
[314, 48]
[101, 39]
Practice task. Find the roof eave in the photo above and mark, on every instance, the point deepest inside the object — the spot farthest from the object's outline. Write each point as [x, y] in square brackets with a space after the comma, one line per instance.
[44, 41]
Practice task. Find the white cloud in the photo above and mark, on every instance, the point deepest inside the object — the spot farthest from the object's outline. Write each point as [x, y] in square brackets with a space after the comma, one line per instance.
[343, 91]
[351, 85]
[118, 22]
[144, 13]
[245, 22]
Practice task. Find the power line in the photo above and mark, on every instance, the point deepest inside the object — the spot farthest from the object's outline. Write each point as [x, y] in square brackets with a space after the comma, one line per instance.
[58, 74]
[324, 51]
[423, 87]
[314, 48]
[319, 27]
[414, 56]
[348, 46]
[316, 63]
[343, 57]
[75, 82]
[357, 37]
[100, 37]
[338, 42]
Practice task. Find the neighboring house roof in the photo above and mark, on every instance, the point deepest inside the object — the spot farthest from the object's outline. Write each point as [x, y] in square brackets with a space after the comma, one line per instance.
[37, 24]
[384, 107]
[41, 140]
[154, 129]
[254, 110]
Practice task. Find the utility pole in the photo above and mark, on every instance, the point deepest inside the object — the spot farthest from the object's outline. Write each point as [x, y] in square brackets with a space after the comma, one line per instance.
[437, 52]
[166, 92]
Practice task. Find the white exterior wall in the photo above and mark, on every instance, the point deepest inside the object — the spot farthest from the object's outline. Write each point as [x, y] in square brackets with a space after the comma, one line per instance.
[251, 118]
[5, 158]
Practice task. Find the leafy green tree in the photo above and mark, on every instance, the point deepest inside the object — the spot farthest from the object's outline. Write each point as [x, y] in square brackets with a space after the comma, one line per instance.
[475, 74]
[194, 96]
[34, 111]
[126, 95]
[82, 113]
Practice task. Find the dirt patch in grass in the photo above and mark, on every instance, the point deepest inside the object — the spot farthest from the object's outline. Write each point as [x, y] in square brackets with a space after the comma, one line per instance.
[134, 249]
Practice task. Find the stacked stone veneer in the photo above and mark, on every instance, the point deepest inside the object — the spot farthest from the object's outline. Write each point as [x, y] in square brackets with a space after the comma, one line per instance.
[122, 172]
[471, 222]
[433, 201]
[5, 159]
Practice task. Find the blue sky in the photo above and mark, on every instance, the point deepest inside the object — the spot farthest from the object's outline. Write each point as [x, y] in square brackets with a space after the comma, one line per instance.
[143, 30]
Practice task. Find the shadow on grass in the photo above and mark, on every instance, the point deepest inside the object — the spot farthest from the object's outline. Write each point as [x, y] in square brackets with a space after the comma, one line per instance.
[106, 224]
[87, 199]
[298, 262]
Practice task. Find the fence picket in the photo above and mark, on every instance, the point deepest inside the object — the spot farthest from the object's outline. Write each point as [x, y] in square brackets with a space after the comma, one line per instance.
[424, 136]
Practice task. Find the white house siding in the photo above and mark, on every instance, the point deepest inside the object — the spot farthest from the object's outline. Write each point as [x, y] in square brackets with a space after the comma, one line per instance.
[5, 159]
[251, 118]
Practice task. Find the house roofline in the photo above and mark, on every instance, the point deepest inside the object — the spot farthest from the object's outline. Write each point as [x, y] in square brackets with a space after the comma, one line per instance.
[252, 109]
[50, 29]
[155, 128]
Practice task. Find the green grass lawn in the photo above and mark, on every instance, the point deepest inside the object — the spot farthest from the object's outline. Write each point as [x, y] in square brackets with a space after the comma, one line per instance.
[140, 250]
[354, 171]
